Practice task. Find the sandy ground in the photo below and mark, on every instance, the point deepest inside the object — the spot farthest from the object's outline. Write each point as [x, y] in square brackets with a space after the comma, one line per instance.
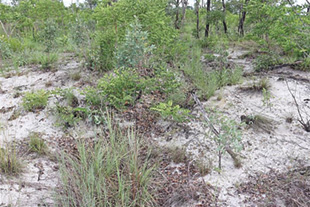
[282, 147]
[26, 190]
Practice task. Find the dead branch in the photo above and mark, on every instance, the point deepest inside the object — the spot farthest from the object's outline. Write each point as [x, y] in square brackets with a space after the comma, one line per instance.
[305, 124]
[228, 149]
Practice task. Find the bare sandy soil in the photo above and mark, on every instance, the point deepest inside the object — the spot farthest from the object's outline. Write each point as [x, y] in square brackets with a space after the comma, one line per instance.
[27, 190]
[281, 146]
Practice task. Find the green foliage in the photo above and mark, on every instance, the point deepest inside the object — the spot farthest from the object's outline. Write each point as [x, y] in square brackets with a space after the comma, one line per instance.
[135, 48]
[49, 34]
[165, 80]
[101, 54]
[305, 65]
[5, 51]
[170, 111]
[112, 169]
[37, 144]
[67, 116]
[78, 32]
[121, 88]
[33, 101]
[151, 14]
[265, 62]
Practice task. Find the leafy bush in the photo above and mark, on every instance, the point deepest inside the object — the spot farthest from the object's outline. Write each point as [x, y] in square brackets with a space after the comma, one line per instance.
[78, 32]
[67, 116]
[135, 48]
[151, 14]
[33, 101]
[176, 113]
[165, 80]
[122, 88]
[49, 34]
[265, 62]
[5, 51]
[101, 54]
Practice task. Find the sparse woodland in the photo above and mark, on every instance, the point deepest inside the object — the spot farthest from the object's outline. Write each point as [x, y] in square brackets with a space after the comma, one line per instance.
[155, 103]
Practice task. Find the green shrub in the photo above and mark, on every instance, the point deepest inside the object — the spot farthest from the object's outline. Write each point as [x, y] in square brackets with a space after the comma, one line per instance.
[165, 80]
[101, 54]
[33, 101]
[5, 51]
[122, 88]
[170, 111]
[49, 34]
[78, 32]
[265, 62]
[67, 116]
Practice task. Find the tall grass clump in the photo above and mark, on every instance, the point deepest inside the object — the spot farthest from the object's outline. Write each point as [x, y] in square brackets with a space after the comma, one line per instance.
[111, 172]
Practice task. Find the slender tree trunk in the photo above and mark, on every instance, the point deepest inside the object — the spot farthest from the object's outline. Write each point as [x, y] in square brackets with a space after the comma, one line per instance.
[308, 9]
[207, 31]
[184, 5]
[176, 23]
[224, 18]
[197, 17]
[242, 19]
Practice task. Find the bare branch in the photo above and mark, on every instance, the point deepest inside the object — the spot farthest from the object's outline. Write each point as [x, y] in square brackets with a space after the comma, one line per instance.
[305, 124]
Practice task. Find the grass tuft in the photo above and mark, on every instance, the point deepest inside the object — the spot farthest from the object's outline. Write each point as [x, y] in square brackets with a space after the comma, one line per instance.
[110, 172]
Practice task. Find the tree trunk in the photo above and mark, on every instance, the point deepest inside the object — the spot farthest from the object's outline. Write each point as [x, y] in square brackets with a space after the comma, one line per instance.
[207, 31]
[224, 16]
[184, 5]
[197, 18]
[176, 23]
[308, 8]
[242, 19]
